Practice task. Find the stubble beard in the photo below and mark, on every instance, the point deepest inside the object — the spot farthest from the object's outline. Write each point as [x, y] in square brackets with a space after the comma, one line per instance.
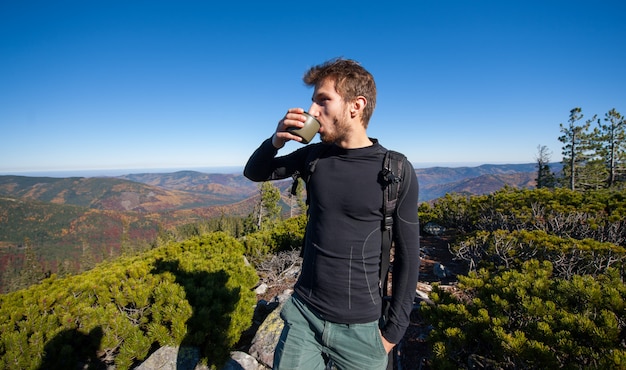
[340, 130]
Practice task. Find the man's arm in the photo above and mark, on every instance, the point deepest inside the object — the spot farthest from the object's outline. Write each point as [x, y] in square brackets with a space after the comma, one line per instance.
[264, 165]
[259, 166]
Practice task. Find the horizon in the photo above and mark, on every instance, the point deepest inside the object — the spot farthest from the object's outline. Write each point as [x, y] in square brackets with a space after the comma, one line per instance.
[201, 84]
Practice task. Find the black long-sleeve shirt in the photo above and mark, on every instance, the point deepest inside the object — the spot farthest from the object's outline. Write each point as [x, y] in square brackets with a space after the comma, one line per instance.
[340, 273]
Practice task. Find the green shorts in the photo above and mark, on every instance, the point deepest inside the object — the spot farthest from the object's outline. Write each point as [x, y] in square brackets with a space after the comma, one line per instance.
[307, 342]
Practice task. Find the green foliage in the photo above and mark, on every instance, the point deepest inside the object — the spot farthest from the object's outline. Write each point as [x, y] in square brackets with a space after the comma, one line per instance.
[598, 215]
[284, 235]
[546, 287]
[545, 177]
[509, 250]
[576, 147]
[530, 319]
[268, 210]
[196, 292]
[612, 145]
[594, 158]
[232, 225]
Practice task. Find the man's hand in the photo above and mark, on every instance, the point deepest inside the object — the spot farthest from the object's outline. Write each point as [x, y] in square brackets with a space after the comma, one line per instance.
[388, 345]
[293, 118]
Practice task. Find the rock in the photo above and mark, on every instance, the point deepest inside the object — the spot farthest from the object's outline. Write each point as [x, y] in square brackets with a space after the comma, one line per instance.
[266, 338]
[422, 292]
[423, 287]
[261, 289]
[173, 358]
[261, 352]
[434, 229]
[440, 270]
[242, 361]
[284, 296]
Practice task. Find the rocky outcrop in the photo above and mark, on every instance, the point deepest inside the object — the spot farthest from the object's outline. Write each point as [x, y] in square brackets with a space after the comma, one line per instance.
[266, 338]
[173, 358]
[267, 325]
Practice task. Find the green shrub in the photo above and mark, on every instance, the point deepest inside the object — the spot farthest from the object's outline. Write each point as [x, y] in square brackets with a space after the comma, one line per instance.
[284, 235]
[504, 249]
[196, 292]
[529, 319]
[598, 215]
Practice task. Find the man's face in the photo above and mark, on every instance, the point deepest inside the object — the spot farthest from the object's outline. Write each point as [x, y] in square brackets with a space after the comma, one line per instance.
[331, 111]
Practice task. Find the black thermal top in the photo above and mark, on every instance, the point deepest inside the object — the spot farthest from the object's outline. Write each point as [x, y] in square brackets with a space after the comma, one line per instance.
[340, 273]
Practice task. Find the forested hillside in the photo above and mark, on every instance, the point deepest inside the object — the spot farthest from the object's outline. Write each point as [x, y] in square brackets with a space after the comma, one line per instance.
[124, 195]
[70, 224]
[66, 225]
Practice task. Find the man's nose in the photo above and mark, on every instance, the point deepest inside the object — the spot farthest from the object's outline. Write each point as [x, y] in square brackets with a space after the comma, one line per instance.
[314, 110]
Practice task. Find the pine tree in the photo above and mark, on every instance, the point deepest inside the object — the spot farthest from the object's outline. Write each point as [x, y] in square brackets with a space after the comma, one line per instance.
[32, 271]
[267, 210]
[576, 146]
[545, 177]
[612, 147]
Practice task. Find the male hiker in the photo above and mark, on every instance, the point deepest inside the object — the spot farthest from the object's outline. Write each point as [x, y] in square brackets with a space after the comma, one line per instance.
[336, 306]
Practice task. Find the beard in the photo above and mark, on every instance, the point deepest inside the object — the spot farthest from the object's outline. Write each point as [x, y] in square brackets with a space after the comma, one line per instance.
[340, 129]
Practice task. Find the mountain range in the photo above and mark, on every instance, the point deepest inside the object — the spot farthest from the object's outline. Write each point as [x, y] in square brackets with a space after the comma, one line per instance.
[66, 218]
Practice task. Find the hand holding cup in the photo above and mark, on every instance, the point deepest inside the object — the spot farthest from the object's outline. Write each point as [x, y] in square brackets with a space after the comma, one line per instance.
[308, 131]
[297, 125]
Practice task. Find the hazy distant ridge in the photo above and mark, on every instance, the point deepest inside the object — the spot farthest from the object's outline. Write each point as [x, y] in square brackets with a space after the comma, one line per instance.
[63, 217]
[149, 192]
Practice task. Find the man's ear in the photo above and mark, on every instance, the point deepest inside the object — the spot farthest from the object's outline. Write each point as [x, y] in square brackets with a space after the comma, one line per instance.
[357, 106]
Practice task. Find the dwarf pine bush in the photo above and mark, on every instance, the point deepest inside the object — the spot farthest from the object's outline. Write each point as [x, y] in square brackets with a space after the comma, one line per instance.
[546, 284]
[196, 292]
[530, 319]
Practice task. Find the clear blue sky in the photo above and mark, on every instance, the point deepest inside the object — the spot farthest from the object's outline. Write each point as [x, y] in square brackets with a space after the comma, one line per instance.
[179, 84]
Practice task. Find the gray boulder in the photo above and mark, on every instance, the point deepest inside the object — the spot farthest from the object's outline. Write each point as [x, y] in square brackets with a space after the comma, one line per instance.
[266, 338]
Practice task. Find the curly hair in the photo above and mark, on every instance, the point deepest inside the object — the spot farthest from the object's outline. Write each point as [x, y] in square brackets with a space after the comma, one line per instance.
[351, 81]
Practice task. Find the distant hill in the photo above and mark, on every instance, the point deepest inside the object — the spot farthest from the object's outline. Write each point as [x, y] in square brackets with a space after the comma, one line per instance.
[435, 182]
[199, 193]
[81, 221]
[169, 192]
[442, 175]
[160, 192]
[94, 218]
[225, 186]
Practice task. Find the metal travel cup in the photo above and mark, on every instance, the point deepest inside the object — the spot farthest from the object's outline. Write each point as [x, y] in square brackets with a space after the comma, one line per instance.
[307, 133]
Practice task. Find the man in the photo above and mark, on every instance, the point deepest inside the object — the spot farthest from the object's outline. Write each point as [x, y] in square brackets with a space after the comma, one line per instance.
[336, 306]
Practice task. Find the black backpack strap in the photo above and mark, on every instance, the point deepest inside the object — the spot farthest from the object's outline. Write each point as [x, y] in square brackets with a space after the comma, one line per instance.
[311, 162]
[391, 179]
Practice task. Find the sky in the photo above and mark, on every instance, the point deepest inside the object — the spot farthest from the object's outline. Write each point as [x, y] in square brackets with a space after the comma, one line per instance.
[151, 85]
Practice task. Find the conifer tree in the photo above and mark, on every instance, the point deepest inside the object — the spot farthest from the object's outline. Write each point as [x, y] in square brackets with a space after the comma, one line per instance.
[267, 210]
[32, 271]
[545, 177]
[612, 148]
[576, 146]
